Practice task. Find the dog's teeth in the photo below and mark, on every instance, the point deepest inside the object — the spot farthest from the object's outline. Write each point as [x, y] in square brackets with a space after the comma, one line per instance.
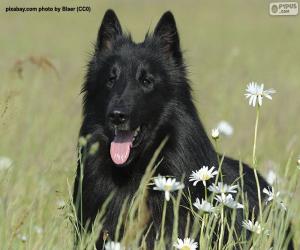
[136, 131]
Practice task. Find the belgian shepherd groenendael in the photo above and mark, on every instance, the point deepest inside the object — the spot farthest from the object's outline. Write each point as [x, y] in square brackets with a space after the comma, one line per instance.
[136, 94]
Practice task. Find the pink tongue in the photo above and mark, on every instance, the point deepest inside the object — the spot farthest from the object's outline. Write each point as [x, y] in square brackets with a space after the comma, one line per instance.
[120, 146]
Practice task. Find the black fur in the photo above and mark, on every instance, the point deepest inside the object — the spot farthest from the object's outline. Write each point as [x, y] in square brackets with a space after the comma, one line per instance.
[147, 83]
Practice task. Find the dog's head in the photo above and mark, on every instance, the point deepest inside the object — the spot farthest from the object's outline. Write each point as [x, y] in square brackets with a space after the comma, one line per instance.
[132, 88]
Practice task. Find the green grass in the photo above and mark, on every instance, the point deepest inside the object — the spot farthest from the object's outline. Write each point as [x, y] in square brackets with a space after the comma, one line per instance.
[226, 45]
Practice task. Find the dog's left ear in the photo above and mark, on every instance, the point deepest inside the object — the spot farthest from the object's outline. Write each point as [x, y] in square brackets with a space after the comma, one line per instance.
[166, 31]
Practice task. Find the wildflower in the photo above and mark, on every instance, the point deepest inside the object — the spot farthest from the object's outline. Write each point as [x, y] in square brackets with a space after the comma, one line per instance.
[5, 163]
[112, 245]
[222, 188]
[271, 177]
[225, 128]
[204, 206]
[186, 244]
[105, 235]
[203, 174]
[60, 204]
[254, 227]
[215, 133]
[255, 93]
[23, 238]
[38, 229]
[228, 201]
[271, 195]
[82, 141]
[167, 185]
[94, 148]
[298, 162]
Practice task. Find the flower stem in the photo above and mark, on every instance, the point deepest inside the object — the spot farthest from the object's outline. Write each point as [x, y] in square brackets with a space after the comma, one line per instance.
[254, 162]
[217, 150]
[202, 236]
[222, 229]
[219, 160]
[163, 222]
[258, 194]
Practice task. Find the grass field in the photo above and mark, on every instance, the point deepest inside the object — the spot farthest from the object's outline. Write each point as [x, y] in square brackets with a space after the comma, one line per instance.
[43, 58]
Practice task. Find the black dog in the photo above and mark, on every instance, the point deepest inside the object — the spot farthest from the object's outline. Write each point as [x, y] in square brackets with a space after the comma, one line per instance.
[136, 94]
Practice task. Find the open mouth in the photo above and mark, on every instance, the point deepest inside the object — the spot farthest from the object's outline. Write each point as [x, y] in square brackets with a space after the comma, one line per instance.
[123, 142]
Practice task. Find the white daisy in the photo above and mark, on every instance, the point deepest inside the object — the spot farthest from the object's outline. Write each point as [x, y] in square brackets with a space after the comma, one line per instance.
[225, 128]
[256, 92]
[271, 195]
[113, 246]
[271, 177]
[23, 237]
[215, 133]
[186, 244]
[203, 174]
[228, 201]
[222, 188]
[60, 204]
[167, 185]
[298, 162]
[254, 227]
[204, 206]
[38, 229]
[5, 163]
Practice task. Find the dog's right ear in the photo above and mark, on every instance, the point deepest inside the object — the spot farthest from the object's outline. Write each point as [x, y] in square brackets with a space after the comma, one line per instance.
[109, 30]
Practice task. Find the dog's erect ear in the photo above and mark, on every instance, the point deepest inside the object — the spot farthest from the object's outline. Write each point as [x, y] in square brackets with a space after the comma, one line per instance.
[166, 31]
[109, 30]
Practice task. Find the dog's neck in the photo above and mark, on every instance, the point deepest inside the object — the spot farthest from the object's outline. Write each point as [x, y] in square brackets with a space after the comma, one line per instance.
[188, 147]
[193, 147]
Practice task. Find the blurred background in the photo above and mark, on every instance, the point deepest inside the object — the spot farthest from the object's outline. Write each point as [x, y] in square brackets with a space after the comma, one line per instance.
[43, 62]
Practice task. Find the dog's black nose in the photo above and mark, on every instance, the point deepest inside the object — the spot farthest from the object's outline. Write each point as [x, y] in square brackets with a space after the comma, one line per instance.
[117, 117]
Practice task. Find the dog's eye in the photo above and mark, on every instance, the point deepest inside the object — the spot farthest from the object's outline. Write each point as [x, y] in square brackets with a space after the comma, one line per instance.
[111, 81]
[147, 83]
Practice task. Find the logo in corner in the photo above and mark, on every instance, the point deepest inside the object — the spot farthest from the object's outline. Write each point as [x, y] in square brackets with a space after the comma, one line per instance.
[283, 8]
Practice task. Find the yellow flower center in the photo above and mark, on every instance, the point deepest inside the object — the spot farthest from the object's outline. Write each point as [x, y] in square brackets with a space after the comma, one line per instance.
[168, 187]
[185, 248]
[205, 177]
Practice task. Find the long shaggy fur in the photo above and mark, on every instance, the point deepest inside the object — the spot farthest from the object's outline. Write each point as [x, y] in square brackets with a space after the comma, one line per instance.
[162, 107]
